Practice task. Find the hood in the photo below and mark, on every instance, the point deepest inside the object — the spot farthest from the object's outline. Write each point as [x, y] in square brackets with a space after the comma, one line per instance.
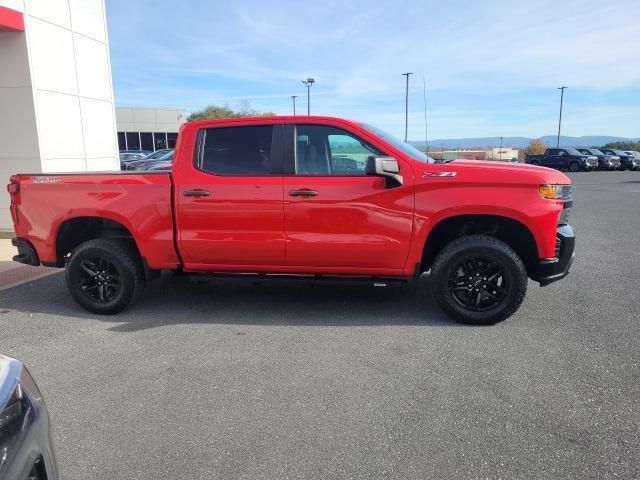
[476, 171]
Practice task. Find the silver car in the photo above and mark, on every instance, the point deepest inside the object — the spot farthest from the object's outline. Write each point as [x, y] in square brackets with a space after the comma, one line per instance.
[26, 451]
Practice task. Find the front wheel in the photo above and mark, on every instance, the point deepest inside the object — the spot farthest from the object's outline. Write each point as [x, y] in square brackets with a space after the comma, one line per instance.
[574, 166]
[105, 275]
[478, 279]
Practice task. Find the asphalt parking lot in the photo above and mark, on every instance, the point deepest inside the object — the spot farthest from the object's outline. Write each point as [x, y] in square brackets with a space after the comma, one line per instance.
[218, 381]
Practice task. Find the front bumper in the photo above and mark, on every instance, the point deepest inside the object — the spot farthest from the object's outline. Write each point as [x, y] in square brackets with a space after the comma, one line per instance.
[554, 269]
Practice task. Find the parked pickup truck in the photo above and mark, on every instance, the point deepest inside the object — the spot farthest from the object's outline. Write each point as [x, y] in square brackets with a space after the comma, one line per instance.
[627, 160]
[564, 159]
[605, 162]
[307, 198]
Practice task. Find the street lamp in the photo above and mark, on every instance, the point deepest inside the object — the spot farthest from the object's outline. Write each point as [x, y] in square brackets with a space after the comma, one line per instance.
[500, 151]
[293, 98]
[562, 89]
[307, 83]
[406, 107]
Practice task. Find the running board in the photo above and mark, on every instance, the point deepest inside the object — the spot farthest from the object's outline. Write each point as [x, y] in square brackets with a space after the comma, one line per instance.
[313, 279]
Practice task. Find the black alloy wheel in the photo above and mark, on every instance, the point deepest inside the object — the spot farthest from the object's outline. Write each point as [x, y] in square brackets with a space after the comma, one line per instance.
[100, 279]
[478, 284]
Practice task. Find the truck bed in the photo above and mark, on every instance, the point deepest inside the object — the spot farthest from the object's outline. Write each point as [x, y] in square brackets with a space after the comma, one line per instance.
[141, 202]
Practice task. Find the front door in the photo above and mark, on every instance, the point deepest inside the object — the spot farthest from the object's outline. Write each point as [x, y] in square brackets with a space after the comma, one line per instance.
[338, 219]
[229, 203]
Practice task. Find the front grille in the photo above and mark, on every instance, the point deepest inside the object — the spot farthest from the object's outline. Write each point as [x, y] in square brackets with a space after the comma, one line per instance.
[556, 250]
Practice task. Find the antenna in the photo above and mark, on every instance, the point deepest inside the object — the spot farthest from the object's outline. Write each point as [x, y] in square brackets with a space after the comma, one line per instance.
[426, 126]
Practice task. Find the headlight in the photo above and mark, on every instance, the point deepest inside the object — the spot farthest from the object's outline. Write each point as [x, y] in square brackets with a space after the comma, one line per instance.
[555, 192]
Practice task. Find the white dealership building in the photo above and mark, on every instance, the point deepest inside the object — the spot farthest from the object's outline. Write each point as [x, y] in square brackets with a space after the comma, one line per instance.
[57, 110]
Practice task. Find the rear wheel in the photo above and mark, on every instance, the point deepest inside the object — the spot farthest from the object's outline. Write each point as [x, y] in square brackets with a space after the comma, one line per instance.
[478, 280]
[105, 275]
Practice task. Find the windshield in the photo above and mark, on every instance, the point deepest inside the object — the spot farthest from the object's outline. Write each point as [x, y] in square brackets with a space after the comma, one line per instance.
[572, 151]
[410, 150]
[595, 151]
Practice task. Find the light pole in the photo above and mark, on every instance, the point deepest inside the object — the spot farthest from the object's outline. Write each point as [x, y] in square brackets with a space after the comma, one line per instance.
[307, 83]
[406, 107]
[562, 89]
[500, 151]
[442, 151]
[293, 99]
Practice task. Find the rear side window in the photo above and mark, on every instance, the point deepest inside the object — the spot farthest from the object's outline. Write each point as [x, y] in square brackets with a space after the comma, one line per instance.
[235, 150]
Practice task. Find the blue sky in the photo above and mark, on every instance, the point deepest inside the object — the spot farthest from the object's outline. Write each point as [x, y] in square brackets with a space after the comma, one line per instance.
[491, 67]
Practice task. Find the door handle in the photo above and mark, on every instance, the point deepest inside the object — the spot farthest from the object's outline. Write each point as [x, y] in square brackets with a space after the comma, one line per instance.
[303, 193]
[196, 193]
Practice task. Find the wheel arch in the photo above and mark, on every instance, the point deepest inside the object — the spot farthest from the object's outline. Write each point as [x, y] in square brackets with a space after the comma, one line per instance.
[510, 230]
[79, 229]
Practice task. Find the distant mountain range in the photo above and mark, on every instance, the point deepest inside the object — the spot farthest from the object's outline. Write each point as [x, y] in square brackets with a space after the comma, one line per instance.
[522, 142]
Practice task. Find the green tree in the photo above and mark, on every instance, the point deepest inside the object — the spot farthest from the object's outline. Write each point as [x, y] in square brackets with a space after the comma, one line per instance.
[536, 147]
[623, 145]
[214, 111]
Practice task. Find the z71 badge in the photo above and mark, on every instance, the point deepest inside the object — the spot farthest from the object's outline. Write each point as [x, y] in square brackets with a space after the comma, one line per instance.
[438, 174]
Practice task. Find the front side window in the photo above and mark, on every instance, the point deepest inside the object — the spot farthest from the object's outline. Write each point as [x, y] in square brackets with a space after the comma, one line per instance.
[235, 150]
[323, 150]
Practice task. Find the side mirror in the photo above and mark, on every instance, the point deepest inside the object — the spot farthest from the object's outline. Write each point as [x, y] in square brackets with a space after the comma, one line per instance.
[386, 167]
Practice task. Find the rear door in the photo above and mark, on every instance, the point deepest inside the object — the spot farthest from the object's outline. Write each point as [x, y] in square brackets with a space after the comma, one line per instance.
[337, 218]
[553, 158]
[229, 201]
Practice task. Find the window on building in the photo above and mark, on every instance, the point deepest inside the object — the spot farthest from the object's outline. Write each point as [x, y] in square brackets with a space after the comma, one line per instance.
[146, 141]
[122, 143]
[160, 140]
[171, 140]
[133, 141]
[236, 150]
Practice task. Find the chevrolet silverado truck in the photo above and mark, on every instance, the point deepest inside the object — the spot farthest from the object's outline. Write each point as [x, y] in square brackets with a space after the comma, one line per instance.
[564, 159]
[308, 198]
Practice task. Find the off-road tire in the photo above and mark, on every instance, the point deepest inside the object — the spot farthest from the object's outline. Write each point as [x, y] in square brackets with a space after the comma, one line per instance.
[123, 259]
[483, 246]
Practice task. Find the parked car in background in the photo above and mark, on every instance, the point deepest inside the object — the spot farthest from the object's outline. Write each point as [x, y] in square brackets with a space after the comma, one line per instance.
[627, 161]
[26, 450]
[605, 162]
[158, 153]
[162, 166]
[270, 196]
[127, 156]
[147, 162]
[636, 156]
[564, 159]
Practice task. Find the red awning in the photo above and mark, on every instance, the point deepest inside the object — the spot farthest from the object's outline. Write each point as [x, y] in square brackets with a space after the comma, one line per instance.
[11, 20]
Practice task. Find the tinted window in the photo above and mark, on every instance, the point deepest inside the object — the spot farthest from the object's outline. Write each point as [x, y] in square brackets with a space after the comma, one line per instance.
[552, 151]
[572, 151]
[122, 144]
[133, 141]
[146, 141]
[322, 150]
[160, 140]
[171, 140]
[236, 150]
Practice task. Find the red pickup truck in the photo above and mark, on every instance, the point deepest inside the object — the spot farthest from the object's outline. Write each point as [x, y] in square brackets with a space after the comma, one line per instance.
[308, 198]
